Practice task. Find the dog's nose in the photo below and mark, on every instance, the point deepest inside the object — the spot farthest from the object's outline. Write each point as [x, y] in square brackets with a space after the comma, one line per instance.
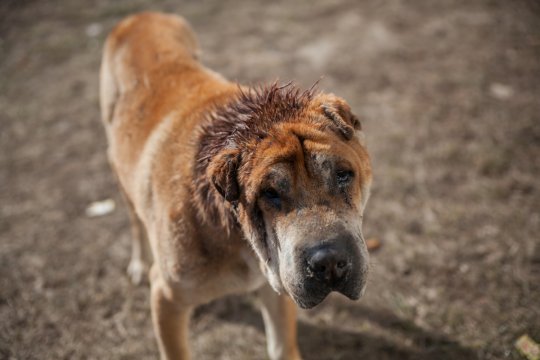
[328, 264]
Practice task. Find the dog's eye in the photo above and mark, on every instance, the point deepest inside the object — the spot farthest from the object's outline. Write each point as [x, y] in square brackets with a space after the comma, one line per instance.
[272, 196]
[344, 177]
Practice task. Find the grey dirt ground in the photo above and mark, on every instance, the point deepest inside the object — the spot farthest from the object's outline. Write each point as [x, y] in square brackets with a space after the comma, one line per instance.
[449, 96]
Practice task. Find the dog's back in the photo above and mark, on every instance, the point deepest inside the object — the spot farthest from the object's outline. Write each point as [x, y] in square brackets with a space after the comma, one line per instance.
[136, 46]
[151, 86]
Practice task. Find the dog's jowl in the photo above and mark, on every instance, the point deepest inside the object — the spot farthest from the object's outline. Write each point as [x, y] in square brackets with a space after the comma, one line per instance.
[231, 189]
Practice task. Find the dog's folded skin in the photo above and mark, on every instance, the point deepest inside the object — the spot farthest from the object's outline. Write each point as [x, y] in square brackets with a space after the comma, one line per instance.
[235, 187]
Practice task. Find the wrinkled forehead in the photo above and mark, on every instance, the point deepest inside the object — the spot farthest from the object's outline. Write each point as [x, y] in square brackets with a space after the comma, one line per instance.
[308, 156]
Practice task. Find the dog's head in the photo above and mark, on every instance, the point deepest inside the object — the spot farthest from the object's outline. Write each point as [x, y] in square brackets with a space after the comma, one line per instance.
[298, 174]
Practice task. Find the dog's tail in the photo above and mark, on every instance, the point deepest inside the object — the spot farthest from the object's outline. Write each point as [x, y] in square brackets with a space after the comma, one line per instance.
[108, 88]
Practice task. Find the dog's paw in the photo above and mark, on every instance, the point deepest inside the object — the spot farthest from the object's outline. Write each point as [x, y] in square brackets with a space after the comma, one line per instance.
[136, 270]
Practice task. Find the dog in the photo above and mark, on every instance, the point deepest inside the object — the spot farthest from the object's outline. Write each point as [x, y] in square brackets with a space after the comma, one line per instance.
[230, 188]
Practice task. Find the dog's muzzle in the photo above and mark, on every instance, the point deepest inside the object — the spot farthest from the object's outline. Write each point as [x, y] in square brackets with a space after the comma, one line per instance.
[332, 265]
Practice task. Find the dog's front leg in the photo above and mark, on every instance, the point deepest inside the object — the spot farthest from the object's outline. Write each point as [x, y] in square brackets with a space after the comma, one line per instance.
[170, 319]
[279, 315]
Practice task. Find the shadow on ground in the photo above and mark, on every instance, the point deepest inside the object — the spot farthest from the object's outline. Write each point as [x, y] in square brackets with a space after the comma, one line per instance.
[398, 338]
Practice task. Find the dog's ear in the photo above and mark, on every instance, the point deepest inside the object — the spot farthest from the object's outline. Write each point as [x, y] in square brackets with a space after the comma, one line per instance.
[223, 172]
[339, 113]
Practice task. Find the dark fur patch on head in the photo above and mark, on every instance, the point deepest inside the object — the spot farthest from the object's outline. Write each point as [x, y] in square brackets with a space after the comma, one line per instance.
[250, 115]
[240, 125]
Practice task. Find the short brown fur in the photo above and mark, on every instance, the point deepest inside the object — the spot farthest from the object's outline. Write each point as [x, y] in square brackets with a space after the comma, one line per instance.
[193, 152]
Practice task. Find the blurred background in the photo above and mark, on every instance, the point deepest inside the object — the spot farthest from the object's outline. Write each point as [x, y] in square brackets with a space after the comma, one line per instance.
[449, 95]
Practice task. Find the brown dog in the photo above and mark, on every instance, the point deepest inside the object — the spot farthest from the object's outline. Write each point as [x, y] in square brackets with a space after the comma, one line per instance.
[236, 188]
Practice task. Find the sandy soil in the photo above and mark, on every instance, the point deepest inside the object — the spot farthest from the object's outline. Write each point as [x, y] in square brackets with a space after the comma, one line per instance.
[449, 95]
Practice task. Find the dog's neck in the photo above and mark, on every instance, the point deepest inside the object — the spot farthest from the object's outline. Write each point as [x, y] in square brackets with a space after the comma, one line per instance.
[241, 123]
